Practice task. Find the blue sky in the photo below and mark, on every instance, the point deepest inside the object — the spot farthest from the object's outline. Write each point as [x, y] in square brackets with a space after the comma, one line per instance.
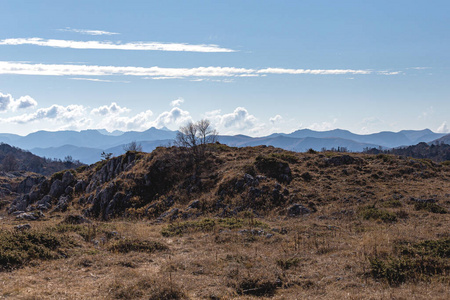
[251, 67]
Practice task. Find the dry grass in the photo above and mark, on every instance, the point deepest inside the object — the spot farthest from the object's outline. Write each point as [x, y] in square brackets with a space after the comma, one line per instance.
[364, 212]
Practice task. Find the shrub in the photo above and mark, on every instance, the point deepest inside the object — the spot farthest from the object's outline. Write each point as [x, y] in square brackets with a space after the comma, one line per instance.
[128, 245]
[415, 262]
[273, 167]
[18, 248]
[371, 212]
[288, 263]
[253, 285]
[431, 207]
[392, 204]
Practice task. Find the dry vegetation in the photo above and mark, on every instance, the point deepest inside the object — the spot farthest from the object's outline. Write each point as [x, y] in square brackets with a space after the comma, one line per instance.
[370, 233]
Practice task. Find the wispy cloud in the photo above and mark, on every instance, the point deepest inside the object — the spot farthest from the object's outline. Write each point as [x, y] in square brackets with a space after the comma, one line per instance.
[156, 72]
[106, 45]
[97, 80]
[177, 102]
[88, 31]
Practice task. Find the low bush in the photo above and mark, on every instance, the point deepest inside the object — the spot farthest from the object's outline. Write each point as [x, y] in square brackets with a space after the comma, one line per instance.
[207, 225]
[18, 248]
[431, 207]
[128, 245]
[371, 212]
[416, 262]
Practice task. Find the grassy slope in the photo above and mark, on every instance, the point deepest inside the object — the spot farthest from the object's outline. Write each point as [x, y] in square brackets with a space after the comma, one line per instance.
[364, 214]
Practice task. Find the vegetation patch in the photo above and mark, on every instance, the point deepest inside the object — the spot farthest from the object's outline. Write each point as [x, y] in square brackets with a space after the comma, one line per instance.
[207, 225]
[414, 262]
[18, 248]
[255, 286]
[128, 245]
[431, 207]
[392, 204]
[288, 263]
[145, 288]
[372, 213]
[273, 167]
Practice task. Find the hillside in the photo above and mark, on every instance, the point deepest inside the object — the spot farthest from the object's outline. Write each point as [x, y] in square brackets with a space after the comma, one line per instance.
[236, 223]
[436, 151]
[15, 159]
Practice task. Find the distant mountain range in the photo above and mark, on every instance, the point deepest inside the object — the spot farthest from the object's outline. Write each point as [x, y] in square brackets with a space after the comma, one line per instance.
[87, 145]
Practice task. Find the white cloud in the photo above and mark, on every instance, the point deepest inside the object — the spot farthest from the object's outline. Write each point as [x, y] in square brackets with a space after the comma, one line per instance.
[88, 31]
[177, 102]
[389, 73]
[98, 80]
[141, 121]
[55, 112]
[313, 72]
[173, 118]
[21, 68]
[7, 102]
[112, 109]
[443, 128]
[323, 126]
[106, 45]
[371, 125]
[276, 119]
[240, 121]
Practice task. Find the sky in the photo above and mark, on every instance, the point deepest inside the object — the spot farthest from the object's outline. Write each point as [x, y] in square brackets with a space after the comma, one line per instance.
[250, 67]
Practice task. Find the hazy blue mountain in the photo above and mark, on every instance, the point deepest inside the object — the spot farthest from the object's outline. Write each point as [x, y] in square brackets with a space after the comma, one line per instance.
[384, 138]
[295, 144]
[91, 155]
[85, 138]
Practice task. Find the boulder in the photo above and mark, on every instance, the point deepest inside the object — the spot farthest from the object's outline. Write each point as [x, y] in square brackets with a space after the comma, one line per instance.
[297, 210]
[56, 189]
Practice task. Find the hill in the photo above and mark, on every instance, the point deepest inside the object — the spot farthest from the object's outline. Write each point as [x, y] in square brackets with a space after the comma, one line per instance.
[435, 151]
[15, 159]
[233, 223]
[445, 139]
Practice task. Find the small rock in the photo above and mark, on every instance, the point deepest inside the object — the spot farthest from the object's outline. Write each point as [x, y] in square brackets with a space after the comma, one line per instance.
[297, 210]
[194, 204]
[22, 227]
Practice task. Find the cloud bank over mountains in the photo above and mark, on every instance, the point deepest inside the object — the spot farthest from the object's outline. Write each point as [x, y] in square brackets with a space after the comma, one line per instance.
[116, 117]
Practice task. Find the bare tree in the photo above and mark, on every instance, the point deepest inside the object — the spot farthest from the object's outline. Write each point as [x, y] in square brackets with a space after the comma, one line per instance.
[206, 134]
[196, 136]
[133, 146]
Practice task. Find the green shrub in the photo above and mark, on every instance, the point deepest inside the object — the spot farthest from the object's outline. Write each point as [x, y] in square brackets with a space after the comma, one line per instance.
[207, 225]
[431, 207]
[128, 245]
[371, 212]
[414, 263]
[392, 204]
[18, 248]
